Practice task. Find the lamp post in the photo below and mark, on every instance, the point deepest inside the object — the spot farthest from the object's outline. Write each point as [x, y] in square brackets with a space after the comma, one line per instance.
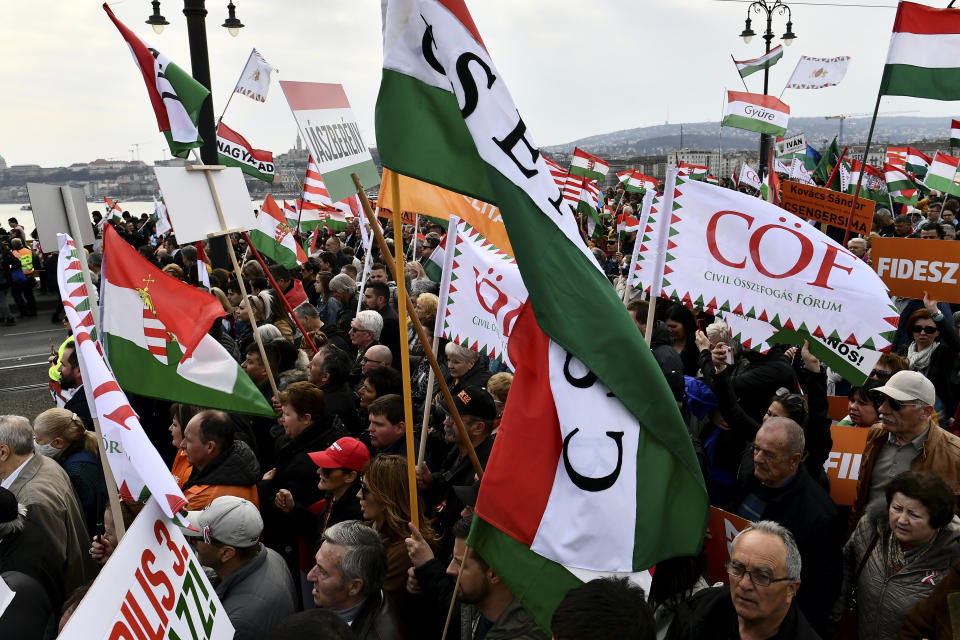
[768, 8]
[196, 13]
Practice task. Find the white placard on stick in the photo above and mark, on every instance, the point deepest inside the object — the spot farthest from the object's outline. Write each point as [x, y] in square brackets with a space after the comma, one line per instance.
[190, 204]
[50, 213]
[152, 587]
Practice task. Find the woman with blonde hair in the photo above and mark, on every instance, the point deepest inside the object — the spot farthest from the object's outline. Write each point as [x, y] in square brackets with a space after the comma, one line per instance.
[61, 435]
[385, 501]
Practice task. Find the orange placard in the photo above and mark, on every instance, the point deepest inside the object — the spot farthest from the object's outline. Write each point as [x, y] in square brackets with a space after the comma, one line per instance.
[837, 407]
[826, 205]
[723, 528]
[910, 266]
[843, 463]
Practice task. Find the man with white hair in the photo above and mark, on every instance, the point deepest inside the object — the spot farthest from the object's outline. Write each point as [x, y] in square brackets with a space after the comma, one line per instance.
[344, 289]
[760, 602]
[364, 333]
[44, 487]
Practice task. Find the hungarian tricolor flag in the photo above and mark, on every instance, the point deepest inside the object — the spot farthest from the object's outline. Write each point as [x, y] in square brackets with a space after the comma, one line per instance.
[273, 236]
[233, 150]
[307, 214]
[693, 171]
[633, 180]
[943, 174]
[767, 60]
[610, 482]
[176, 97]
[114, 212]
[756, 112]
[588, 166]
[203, 275]
[155, 335]
[137, 467]
[955, 133]
[922, 59]
[917, 162]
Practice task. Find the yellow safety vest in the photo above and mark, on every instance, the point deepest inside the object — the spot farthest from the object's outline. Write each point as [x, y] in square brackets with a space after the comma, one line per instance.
[25, 256]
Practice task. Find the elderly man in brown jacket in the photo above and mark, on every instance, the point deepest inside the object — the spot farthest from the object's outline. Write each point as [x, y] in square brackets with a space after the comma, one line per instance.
[905, 439]
[44, 487]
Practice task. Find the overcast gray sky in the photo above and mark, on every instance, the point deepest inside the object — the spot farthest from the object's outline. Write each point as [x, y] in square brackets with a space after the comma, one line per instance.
[575, 68]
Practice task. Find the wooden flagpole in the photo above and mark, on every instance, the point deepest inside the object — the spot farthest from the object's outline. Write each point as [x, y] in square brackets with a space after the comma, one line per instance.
[456, 587]
[404, 357]
[207, 170]
[421, 334]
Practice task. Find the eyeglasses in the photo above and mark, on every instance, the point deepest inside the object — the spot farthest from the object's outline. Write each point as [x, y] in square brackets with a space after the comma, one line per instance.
[758, 579]
[880, 373]
[364, 491]
[365, 360]
[896, 405]
[927, 330]
[355, 330]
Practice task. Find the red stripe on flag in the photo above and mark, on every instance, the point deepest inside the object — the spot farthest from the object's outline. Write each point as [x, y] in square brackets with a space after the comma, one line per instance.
[106, 387]
[919, 18]
[158, 351]
[155, 333]
[460, 12]
[304, 96]
[758, 99]
[528, 439]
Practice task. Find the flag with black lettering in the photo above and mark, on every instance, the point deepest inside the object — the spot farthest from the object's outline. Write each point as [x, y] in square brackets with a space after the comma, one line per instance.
[610, 481]
[233, 150]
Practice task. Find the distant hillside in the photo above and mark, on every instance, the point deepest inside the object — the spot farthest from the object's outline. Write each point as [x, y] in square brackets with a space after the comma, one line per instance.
[662, 138]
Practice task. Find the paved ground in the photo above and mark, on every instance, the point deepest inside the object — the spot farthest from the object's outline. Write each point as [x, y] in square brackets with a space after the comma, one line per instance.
[24, 350]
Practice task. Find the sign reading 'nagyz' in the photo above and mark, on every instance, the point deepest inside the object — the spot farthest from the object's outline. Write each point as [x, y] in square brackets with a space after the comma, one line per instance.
[827, 206]
[330, 129]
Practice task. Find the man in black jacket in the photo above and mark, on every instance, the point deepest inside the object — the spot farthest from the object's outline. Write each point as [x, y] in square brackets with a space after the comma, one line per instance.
[781, 490]
[329, 370]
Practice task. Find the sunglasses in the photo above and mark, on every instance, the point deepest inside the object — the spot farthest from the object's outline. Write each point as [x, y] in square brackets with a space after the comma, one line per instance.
[926, 330]
[784, 396]
[880, 373]
[363, 490]
[896, 405]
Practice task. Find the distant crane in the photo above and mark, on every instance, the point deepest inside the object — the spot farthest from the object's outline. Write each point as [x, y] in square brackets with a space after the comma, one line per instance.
[136, 145]
[844, 116]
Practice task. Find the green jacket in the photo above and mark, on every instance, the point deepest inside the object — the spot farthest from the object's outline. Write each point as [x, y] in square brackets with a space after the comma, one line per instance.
[513, 624]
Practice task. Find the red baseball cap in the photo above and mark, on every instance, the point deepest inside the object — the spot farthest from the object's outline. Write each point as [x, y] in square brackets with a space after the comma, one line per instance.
[347, 453]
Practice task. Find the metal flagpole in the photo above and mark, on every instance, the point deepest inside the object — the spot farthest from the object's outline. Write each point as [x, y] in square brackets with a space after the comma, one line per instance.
[866, 154]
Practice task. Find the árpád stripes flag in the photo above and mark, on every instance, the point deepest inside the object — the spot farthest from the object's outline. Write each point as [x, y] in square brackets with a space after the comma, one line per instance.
[608, 447]
[756, 112]
[924, 55]
[233, 150]
[155, 335]
[176, 97]
[767, 60]
[313, 188]
[273, 236]
[588, 166]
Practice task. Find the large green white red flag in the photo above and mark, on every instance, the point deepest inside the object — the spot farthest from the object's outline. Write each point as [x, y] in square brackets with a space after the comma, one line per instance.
[739, 254]
[137, 467]
[588, 166]
[233, 150]
[176, 97]
[756, 112]
[155, 334]
[610, 482]
[273, 236]
[922, 60]
[483, 295]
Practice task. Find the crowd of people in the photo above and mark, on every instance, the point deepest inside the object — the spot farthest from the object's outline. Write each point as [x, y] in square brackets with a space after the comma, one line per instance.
[306, 518]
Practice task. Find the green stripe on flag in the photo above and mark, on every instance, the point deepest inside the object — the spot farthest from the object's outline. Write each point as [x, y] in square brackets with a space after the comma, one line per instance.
[246, 168]
[340, 181]
[138, 371]
[920, 82]
[445, 154]
[538, 583]
[752, 124]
